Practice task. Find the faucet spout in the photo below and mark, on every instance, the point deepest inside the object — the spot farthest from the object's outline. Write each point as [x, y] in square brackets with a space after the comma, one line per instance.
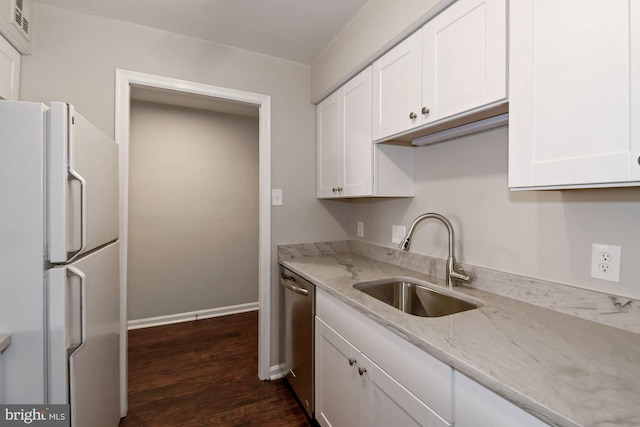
[453, 272]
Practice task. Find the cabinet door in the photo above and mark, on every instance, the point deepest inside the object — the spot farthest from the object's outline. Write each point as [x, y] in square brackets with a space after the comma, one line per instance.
[572, 119]
[390, 404]
[397, 80]
[9, 71]
[478, 406]
[338, 385]
[464, 60]
[329, 145]
[358, 145]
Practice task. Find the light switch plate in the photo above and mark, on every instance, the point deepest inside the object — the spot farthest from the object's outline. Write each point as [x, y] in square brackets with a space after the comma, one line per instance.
[360, 226]
[397, 233]
[276, 197]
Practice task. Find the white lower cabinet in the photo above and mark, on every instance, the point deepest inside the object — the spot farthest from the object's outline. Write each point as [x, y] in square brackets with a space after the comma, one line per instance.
[364, 378]
[351, 390]
[338, 386]
[390, 404]
[477, 406]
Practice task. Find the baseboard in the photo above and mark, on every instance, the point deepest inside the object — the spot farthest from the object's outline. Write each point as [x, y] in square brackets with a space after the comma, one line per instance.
[276, 372]
[190, 316]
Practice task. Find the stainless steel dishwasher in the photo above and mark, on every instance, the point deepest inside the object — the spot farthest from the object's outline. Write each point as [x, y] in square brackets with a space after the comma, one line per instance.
[299, 313]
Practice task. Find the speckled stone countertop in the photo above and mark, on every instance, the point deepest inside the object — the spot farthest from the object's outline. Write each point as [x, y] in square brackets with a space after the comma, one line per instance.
[5, 340]
[565, 370]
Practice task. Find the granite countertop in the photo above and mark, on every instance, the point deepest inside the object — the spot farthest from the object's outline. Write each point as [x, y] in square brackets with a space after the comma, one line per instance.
[5, 340]
[565, 370]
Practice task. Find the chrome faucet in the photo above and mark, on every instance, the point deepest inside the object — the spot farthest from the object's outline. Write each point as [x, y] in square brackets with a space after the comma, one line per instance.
[453, 272]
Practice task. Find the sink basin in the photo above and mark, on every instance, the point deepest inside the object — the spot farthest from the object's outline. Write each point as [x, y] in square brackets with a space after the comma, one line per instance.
[416, 299]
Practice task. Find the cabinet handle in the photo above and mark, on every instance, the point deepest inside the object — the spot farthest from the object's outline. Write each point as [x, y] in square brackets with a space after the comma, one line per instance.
[361, 371]
[413, 115]
[339, 189]
[351, 361]
[336, 189]
[425, 110]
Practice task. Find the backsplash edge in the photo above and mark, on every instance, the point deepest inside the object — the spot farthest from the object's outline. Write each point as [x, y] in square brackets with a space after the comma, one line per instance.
[611, 310]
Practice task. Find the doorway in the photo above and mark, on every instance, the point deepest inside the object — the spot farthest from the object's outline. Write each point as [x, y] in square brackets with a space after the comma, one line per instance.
[125, 81]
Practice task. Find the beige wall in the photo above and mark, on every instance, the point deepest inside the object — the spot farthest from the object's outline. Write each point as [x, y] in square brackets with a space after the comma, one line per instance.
[541, 234]
[376, 28]
[193, 210]
[74, 59]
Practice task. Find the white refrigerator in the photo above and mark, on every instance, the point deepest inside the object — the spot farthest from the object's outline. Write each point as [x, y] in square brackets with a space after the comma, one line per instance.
[59, 262]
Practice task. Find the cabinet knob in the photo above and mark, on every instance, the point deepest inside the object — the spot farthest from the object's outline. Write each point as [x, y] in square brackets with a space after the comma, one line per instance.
[413, 115]
[334, 189]
[361, 371]
[351, 361]
[425, 110]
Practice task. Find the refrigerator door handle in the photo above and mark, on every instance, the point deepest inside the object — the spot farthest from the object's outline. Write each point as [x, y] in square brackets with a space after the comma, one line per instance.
[83, 212]
[81, 308]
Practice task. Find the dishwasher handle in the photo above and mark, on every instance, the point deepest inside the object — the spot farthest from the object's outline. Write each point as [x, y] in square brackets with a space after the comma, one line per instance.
[286, 282]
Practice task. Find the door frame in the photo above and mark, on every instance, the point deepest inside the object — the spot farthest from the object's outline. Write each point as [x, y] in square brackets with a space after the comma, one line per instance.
[124, 81]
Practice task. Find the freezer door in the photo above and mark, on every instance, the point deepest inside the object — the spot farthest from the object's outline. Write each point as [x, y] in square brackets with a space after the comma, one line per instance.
[83, 342]
[82, 185]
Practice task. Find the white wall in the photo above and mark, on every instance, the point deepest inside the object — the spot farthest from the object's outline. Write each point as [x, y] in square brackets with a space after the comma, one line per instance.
[193, 210]
[542, 234]
[74, 59]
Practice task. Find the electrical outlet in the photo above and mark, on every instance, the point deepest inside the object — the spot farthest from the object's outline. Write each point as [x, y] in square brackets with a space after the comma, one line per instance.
[605, 262]
[397, 233]
[360, 228]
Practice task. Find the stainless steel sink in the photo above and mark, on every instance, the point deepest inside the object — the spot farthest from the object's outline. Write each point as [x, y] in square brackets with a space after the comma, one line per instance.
[417, 299]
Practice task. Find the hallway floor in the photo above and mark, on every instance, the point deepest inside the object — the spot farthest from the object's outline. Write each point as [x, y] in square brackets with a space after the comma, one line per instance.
[204, 373]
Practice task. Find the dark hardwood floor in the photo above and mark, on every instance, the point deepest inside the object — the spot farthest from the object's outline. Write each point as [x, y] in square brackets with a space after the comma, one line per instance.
[204, 373]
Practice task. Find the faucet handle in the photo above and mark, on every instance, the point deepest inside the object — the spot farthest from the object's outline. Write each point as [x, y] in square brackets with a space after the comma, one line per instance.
[459, 275]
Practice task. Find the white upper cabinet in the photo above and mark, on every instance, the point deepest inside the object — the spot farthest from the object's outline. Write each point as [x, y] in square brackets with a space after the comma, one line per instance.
[348, 163]
[397, 91]
[345, 154]
[454, 66]
[329, 145]
[9, 71]
[574, 93]
[465, 57]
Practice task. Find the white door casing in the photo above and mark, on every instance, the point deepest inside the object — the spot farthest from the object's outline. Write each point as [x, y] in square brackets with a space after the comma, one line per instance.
[124, 80]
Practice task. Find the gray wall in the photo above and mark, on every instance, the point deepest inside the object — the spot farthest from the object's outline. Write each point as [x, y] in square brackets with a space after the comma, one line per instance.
[75, 57]
[547, 235]
[378, 25]
[542, 234]
[193, 210]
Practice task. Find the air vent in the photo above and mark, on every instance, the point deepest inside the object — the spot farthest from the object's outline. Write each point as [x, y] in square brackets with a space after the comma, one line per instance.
[21, 18]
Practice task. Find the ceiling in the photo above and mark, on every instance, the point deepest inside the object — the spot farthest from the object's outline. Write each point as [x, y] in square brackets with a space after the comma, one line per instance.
[296, 30]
